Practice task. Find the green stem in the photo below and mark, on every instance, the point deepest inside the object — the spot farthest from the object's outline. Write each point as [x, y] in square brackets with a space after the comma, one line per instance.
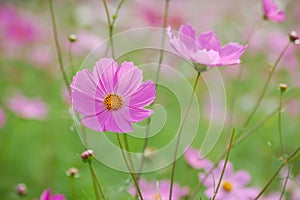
[128, 167]
[261, 96]
[96, 180]
[71, 58]
[285, 183]
[60, 61]
[73, 188]
[128, 151]
[161, 55]
[279, 124]
[277, 172]
[179, 135]
[225, 163]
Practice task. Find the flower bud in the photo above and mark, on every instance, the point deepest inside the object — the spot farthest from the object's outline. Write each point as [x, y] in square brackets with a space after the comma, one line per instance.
[150, 152]
[21, 189]
[72, 38]
[283, 87]
[293, 36]
[73, 172]
[87, 155]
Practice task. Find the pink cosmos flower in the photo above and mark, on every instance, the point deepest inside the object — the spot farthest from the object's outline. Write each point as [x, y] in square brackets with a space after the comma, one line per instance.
[192, 157]
[46, 195]
[233, 185]
[2, 117]
[271, 11]
[112, 97]
[206, 49]
[28, 108]
[159, 190]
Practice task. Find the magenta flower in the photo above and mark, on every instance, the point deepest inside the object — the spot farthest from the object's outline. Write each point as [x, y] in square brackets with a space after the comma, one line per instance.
[271, 11]
[206, 49]
[159, 190]
[46, 195]
[192, 157]
[27, 108]
[2, 117]
[233, 185]
[112, 97]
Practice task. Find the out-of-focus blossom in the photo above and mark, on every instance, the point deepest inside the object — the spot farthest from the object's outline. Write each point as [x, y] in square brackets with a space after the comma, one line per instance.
[46, 195]
[271, 11]
[192, 157]
[292, 185]
[112, 97]
[2, 117]
[159, 190]
[206, 49]
[29, 108]
[233, 184]
[41, 56]
[21, 189]
[272, 196]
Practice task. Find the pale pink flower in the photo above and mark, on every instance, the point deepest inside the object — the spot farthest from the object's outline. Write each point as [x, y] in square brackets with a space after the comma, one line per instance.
[233, 184]
[272, 196]
[46, 195]
[205, 49]
[30, 108]
[2, 117]
[193, 158]
[271, 11]
[112, 97]
[159, 190]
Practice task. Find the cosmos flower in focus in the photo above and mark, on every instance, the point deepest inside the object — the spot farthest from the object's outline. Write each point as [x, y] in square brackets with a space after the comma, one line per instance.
[205, 49]
[192, 157]
[112, 97]
[159, 190]
[46, 195]
[29, 108]
[233, 185]
[271, 11]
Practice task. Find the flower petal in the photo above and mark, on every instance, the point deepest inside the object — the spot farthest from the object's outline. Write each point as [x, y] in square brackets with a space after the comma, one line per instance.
[144, 95]
[278, 16]
[241, 178]
[58, 197]
[209, 58]
[269, 6]
[117, 123]
[208, 41]
[46, 195]
[187, 36]
[97, 122]
[139, 114]
[230, 54]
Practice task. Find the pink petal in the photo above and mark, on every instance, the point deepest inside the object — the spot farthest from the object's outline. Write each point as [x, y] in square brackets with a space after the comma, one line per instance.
[192, 156]
[230, 54]
[269, 6]
[139, 114]
[187, 36]
[278, 16]
[97, 122]
[116, 123]
[87, 98]
[144, 95]
[209, 41]
[46, 195]
[209, 58]
[241, 178]
[104, 72]
[129, 79]
[58, 197]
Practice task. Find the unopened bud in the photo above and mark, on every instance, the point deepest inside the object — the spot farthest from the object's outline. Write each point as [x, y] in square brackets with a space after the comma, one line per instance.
[72, 38]
[73, 172]
[283, 87]
[150, 152]
[87, 155]
[21, 189]
[294, 36]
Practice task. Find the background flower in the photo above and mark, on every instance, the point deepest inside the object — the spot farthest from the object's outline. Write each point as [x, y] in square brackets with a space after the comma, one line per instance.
[192, 157]
[271, 11]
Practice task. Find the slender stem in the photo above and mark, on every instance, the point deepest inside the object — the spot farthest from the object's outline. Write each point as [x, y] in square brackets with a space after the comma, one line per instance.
[161, 55]
[225, 163]
[277, 172]
[73, 188]
[96, 180]
[71, 58]
[128, 150]
[260, 98]
[285, 183]
[179, 135]
[279, 123]
[60, 61]
[128, 167]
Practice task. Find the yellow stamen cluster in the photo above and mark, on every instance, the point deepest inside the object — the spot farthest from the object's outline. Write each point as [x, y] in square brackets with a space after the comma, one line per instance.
[113, 102]
[227, 186]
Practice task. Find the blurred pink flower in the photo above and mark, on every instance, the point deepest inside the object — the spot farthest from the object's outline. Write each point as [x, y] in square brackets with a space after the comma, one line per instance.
[27, 108]
[159, 190]
[271, 11]
[206, 49]
[41, 56]
[272, 196]
[46, 195]
[2, 117]
[112, 97]
[233, 184]
[192, 157]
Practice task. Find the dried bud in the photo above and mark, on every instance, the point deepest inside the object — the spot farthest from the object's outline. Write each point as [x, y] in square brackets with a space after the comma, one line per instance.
[73, 172]
[293, 36]
[87, 155]
[72, 38]
[21, 189]
[283, 87]
[150, 152]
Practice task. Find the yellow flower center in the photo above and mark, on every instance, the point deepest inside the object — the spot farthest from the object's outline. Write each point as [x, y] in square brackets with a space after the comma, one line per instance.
[227, 186]
[113, 102]
[156, 196]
